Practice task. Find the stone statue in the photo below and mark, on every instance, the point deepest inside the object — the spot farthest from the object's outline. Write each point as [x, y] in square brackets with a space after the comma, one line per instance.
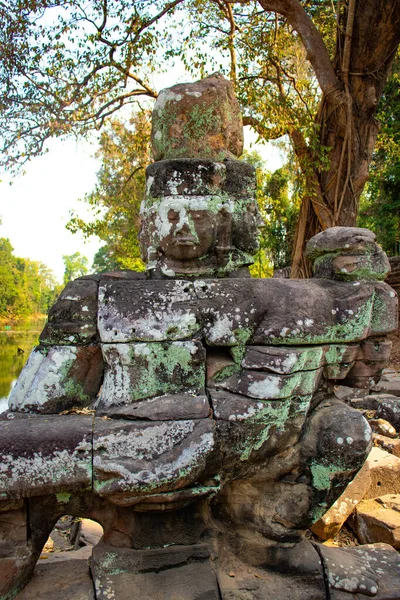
[190, 410]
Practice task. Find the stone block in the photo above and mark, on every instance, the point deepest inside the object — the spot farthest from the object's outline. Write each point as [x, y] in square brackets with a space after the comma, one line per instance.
[389, 383]
[57, 379]
[389, 445]
[138, 371]
[161, 408]
[328, 525]
[134, 460]
[356, 240]
[72, 319]
[159, 574]
[383, 427]
[66, 578]
[385, 311]
[378, 520]
[385, 473]
[147, 311]
[45, 456]
[389, 409]
[268, 386]
[251, 429]
[191, 177]
[197, 120]
[367, 402]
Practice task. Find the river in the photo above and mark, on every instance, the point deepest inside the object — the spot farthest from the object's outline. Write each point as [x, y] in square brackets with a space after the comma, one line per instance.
[17, 338]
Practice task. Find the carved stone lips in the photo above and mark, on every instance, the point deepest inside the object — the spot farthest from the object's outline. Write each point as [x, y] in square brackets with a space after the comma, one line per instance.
[185, 241]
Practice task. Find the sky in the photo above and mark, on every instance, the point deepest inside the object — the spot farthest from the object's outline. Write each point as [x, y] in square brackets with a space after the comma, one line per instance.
[35, 209]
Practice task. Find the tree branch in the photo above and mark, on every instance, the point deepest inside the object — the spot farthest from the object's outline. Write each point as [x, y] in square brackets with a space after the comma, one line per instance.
[316, 50]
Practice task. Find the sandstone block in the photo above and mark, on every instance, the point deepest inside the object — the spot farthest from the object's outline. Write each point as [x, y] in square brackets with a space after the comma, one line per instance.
[378, 520]
[389, 409]
[134, 460]
[383, 427]
[162, 408]
[147, 311]
[389, 445]
[191, 177]
[385, 473]
[335, 239]
[389, 383]
[197, 120]
[45, 456]
[159, 574]
[58, 379]
[138, 371]
[332, 521]
[66, 578]
[267, 386]
[72, 319]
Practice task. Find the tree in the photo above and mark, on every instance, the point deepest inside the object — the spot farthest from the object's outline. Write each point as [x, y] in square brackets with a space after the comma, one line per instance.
[75, 265]
[380, 205]
[69, 65]
[26, 287]
[115, 201]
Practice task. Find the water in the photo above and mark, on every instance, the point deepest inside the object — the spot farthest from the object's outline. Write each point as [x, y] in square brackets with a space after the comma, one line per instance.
[17, 338]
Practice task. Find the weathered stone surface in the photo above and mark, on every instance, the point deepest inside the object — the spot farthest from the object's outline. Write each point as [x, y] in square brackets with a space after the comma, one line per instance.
[336, 359]
[332, 521]
[389, 383]
[250, 428]
[367, 402]
[161, 408]
[72, 319]
[160, 574]
[280, 312]
[378, 520]
[61, 578]
[335, 239]
[383, 427]
[268, 386]
[284, 580]
[57, 379]
[394, 276]
[348, 394]
[45, 456]
[154, 311]
[197, 120]
[389, 409]
[361, 572]
[132, 460]
[186, 236]
[137, 371]
[389, 445]
[385, 473]
[190, 177]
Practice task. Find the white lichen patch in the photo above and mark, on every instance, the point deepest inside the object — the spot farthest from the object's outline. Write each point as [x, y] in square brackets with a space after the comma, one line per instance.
[269, 387]
[44, 378]
[51, 471]
[166, 95]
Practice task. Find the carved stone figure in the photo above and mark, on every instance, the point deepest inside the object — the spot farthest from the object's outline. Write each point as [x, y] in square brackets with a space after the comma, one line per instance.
[214, 438]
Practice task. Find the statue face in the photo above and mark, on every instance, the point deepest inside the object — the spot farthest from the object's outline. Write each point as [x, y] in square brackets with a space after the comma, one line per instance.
[187, 227]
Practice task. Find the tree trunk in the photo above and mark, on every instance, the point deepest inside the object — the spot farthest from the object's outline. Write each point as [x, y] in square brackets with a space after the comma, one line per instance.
[368, 36]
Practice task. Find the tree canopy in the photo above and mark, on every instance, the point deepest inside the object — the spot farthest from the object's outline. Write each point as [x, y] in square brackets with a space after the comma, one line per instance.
[26, 287]
[75, 265]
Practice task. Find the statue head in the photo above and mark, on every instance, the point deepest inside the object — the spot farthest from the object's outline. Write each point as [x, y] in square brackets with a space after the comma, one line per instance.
[187, 235]
[200, 215]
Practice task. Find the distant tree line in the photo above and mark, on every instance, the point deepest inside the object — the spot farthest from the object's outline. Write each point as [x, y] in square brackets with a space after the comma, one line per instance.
[27, 287]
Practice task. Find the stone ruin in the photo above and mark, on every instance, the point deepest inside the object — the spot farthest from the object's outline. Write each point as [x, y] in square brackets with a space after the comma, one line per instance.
[189, 410]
